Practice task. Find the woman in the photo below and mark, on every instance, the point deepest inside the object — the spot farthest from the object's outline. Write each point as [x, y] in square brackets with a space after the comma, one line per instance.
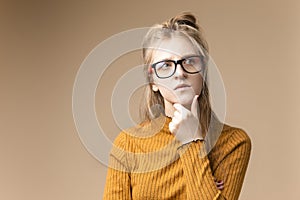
[181, 150]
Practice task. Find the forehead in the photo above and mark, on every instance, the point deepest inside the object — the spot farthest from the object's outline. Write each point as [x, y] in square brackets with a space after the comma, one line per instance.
[173, 48]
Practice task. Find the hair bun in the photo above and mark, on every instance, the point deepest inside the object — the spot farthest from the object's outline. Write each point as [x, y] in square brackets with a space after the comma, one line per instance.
[185, 18]
[186, 22]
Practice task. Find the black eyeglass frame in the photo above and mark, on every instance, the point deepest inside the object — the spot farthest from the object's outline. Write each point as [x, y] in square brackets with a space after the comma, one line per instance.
[176, 62]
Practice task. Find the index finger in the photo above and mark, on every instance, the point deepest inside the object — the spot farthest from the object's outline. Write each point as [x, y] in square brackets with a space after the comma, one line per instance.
[178, 107]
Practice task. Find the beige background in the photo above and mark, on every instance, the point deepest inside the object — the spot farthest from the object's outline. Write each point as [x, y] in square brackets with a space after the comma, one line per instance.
[255, 44]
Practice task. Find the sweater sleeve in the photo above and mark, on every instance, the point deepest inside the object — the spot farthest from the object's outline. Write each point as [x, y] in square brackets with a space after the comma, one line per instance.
[200, 177]
[117, 184]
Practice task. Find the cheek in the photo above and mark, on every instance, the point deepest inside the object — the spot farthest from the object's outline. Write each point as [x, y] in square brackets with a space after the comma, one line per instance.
[165, 92]
[165, 87]
[162, 84]
[197, 84]
[168, 94]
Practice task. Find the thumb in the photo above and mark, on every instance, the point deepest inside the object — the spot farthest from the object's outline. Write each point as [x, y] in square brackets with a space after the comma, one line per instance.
[195, 107]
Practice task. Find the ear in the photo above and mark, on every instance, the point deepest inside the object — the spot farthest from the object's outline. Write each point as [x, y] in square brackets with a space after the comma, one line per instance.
[154, 88]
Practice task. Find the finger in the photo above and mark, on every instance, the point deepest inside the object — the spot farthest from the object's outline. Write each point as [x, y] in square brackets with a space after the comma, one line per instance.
[183, 112]
[177, 114]
[219, 183]
[172, 127]
[176, 120]
[220, 187]
[195, 107]
[180, 108]
[177, 107]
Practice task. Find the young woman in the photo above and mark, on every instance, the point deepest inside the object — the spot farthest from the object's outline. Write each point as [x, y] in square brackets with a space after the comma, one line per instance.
[181, 150]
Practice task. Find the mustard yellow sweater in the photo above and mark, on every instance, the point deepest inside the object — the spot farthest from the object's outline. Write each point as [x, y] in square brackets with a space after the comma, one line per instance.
[147, 162]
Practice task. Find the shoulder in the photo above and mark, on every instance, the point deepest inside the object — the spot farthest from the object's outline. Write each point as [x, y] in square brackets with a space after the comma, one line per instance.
[131, 133]
[145, 136]
[123, 141]
[128, 136]
[235, 135]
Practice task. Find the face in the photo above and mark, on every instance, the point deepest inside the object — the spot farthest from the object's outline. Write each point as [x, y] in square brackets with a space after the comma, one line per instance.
[181, 87]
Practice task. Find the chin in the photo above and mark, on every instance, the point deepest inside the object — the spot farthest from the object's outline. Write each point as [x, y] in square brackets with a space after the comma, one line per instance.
[186, 102]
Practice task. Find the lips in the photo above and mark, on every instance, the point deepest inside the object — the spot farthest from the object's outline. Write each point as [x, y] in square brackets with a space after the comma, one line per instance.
[182, 86]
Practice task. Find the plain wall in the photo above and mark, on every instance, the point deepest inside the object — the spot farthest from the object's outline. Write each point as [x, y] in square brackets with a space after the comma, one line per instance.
[255, 44]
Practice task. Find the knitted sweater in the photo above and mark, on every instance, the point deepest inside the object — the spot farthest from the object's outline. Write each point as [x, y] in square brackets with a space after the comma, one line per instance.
[147, 162]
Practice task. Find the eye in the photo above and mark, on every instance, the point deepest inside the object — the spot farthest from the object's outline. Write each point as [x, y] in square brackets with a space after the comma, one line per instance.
[190, 61]
[164, 65]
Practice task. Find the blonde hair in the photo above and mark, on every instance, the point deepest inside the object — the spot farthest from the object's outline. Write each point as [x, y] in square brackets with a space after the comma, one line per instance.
[183, 24]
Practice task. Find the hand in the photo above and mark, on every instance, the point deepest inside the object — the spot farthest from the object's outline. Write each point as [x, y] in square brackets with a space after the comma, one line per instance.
[219, 184]
[185, 124]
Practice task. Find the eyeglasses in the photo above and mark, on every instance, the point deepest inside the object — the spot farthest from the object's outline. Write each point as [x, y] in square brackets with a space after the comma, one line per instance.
[167, 68]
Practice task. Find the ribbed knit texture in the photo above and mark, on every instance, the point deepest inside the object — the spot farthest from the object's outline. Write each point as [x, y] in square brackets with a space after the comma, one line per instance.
[148, 163]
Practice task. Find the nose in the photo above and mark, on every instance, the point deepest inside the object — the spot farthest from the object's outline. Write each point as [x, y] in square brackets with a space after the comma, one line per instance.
[179, 73]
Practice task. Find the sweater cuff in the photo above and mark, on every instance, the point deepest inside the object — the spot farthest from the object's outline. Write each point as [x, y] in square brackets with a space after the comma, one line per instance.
[183, 146]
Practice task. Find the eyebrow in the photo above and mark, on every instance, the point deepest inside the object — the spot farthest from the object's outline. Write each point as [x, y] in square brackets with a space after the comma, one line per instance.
[183, 57]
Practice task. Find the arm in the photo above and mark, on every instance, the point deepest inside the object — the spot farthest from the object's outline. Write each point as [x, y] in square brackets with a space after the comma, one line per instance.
[117, 185]
[118, 176]
[231, 168]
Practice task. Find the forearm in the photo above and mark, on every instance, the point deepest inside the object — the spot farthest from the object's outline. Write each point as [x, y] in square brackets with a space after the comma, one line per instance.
[231, 168]
[199, 178]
